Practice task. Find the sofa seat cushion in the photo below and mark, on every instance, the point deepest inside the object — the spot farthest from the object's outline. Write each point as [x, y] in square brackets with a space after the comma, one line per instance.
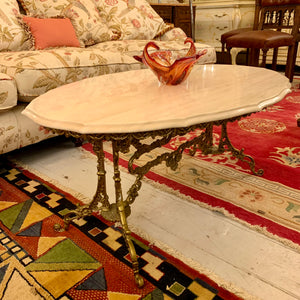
[8, 92]
[136, 47]
[36, 72]
[16, 130]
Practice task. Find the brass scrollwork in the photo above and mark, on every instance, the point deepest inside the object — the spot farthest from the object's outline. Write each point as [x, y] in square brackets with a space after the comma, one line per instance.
[121, 142]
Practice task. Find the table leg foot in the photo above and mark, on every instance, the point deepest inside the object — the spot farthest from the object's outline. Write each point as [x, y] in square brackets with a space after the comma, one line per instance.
[76, 214]
[139, 281]
[58, 227]
[225, 142]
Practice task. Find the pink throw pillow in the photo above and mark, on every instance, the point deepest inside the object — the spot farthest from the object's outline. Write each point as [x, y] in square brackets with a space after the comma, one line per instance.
[52, 32]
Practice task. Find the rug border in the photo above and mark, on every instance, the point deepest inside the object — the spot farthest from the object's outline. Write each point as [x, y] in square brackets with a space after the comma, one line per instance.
[235, 290]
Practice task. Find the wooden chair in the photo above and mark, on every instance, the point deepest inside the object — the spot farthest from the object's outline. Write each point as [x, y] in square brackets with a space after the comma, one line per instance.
[231, 33]
[276, 24]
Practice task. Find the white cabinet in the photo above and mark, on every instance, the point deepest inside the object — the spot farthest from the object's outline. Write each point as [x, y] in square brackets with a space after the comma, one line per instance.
[214, 18]
[211, 23]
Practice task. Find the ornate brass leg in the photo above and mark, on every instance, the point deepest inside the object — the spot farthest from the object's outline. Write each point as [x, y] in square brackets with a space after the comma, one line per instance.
[119, 210]
[99, 197]
[224, 141]
[123, 208]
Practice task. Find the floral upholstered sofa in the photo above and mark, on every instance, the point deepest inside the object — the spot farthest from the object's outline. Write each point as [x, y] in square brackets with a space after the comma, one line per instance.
[47, 43]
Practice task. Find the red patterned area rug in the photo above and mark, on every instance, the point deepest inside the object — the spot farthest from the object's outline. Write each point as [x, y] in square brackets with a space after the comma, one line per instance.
[89, 261]
[271, 203]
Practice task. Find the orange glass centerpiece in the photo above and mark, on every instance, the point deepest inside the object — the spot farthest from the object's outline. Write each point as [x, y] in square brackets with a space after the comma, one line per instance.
[170, 71]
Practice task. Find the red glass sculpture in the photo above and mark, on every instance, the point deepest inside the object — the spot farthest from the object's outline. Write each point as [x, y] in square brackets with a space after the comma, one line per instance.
[168, 70]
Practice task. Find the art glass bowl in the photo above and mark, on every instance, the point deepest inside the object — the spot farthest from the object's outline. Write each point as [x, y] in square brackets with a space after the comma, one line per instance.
[168, 70]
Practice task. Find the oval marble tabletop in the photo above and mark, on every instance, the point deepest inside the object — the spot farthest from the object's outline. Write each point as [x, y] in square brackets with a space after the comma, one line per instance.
[133, 101]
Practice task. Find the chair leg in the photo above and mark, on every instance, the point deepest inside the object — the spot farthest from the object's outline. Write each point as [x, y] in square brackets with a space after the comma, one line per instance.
[291, 61]
[264, 59]
[253, 57]
[274, 60]
[247, 55]
[228, 55]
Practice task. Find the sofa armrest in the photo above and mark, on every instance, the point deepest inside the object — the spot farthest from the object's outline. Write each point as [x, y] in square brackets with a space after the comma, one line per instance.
[8, 92]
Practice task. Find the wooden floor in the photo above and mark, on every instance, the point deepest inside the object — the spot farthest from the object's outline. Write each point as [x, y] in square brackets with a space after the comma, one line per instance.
[232, 254]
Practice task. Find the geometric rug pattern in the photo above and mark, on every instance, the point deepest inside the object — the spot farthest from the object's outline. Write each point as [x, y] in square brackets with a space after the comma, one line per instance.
[88, 261]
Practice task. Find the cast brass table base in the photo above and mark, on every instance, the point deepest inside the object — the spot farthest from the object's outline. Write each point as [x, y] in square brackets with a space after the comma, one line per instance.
[120, 210]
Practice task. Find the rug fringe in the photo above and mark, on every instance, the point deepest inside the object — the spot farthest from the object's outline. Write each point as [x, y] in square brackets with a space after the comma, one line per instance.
[224, 212]
[79, 196]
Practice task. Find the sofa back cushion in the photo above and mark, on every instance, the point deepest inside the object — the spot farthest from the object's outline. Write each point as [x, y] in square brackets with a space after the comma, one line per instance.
[12, 35]
[135, 19]
[84, 15]
[51, 8]
[89, 26]
[51, 32]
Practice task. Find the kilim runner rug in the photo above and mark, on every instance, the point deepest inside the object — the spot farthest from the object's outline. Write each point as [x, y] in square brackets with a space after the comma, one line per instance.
[271, 203]
[89, 261]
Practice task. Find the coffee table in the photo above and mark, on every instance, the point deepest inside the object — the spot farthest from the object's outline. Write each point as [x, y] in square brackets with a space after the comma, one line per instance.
[131, 109]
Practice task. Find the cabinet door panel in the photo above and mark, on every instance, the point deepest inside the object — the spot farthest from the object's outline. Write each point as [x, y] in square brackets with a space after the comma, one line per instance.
[211, 23]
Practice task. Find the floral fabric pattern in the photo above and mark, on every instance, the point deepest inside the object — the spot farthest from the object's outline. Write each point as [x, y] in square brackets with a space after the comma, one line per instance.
[14, 136]
[44, 8]
[89, 26]
[12, 35]
[172, 35]
[84, 15]
[36, 72]
[8, 92]
[134, 19]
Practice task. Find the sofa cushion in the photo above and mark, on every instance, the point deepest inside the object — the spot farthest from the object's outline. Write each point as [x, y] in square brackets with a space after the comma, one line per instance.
[172, 35]
[49, 8]
[131, 48]
[89, 26]
[51, 32]
[135, 19]
[38, 71]
[8, 92]
[12, 35]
